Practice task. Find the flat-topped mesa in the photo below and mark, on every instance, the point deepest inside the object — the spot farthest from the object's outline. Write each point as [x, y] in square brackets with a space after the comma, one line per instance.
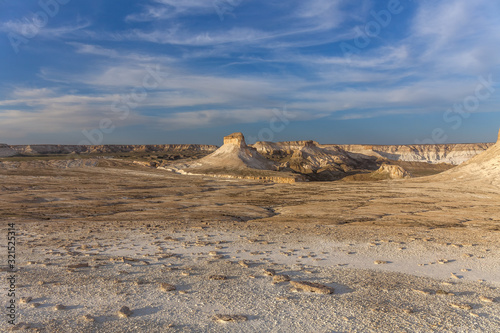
[235, 139]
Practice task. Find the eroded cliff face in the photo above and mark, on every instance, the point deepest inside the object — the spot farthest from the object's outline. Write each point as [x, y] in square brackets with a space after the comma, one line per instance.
[6, 150]
[442, 153]
[317, 162]
[454, 154]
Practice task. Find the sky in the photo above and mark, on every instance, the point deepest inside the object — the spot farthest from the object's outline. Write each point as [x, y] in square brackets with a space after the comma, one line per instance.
[192, 71]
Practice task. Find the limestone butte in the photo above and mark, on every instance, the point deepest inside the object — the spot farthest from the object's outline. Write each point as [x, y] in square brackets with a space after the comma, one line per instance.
[234, 159]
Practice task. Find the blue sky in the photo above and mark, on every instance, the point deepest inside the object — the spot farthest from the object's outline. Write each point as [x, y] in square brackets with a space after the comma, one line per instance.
[192, 71]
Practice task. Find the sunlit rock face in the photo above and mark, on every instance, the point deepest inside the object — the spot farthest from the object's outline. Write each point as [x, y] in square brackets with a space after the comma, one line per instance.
[235, 139]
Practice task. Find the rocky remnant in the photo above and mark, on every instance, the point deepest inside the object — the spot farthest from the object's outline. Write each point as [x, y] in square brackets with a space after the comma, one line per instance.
[392, 172]
[312, 287]
[235, 139]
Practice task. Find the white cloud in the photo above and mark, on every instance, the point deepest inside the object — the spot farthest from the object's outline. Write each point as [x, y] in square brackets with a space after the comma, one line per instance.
[167, 9]
[29, 27]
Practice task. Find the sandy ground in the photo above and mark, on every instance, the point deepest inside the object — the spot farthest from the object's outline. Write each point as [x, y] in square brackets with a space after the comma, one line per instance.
[437, 245]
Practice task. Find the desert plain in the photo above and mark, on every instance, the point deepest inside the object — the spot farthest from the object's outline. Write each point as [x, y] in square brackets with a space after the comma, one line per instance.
[118, 244]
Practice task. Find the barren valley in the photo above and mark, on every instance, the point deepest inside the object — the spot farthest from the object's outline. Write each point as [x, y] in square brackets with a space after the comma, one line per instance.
[121, 244]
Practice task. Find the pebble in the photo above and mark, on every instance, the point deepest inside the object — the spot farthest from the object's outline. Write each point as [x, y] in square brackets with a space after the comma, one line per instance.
[312, 287]
[486, 299]
[167, 287]
[24, 300]
[88, 317]
[124, 312]
[269, 272]
[461, 306]
[281, 278]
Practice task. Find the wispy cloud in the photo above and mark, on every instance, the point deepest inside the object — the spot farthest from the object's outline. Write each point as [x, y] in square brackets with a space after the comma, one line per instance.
[234, 71]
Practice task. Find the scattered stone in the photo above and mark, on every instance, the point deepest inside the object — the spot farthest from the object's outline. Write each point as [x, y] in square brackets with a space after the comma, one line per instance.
[269, 272]
[217, 257]
[445, 293]
[34, 305]
[461, 306]
[407, 310]
[88, 317]
[167, 287]
[217, 277]
[213, 253]
[243, 263]
[380, 262]
[312, 287]
[59, 307]
[25, 300]
[224, 318]
[124, 312]
[486, 299]
[281, 278]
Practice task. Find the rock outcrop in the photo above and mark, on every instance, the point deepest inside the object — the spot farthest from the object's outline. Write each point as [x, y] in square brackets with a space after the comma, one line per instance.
[313, 160]
[391, 172]
[234, 159]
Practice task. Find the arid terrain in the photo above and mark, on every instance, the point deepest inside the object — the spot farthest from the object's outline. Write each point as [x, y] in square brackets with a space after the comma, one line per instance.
[198, 253]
